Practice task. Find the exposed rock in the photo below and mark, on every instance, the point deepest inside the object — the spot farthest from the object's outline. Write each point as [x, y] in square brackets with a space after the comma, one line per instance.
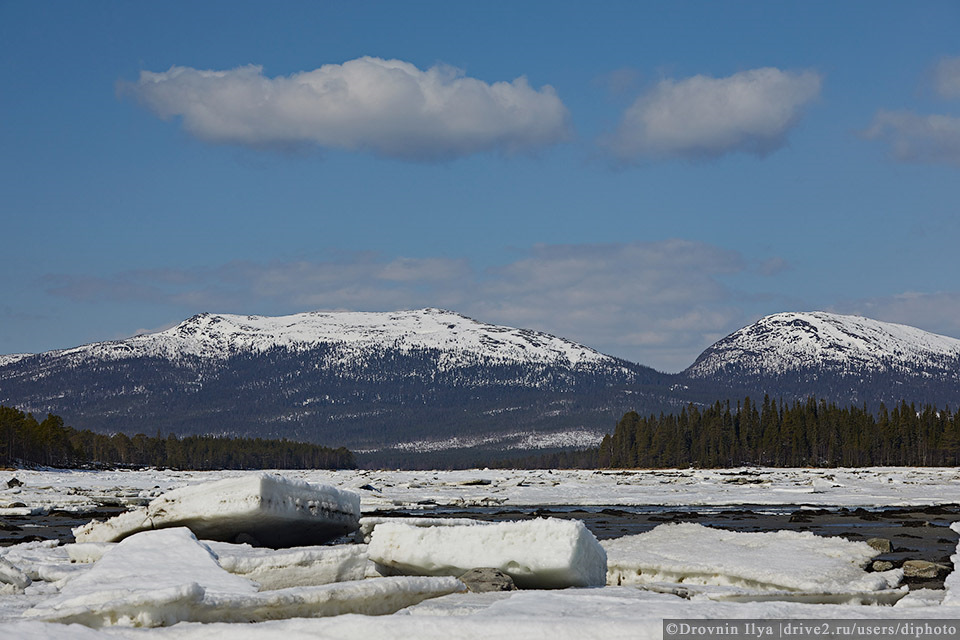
[883, 545]
[881, 565]
[14, 482]
[923, 569]
[483, 579]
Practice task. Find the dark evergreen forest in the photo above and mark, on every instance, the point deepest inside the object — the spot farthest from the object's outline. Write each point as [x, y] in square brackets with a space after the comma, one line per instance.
[811, 433]
[24, 441]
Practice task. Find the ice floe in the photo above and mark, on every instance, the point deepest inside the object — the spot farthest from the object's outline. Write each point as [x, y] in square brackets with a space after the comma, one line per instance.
[369, 523]
[10, 574]
[262, 508]
[149, 579]
[159, 578]
[296, 567]
[541, 553]
[952, 581]
[791, 565]
[279, 590]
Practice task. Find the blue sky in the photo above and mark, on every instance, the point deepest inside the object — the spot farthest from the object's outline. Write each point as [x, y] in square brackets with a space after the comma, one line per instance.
[641, 177]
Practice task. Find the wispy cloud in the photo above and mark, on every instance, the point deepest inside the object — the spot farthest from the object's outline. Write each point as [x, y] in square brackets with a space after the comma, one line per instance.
[704, 117]
[947, 77]
[658, 303]
[388, 107]
[923, 138]
[918, 138]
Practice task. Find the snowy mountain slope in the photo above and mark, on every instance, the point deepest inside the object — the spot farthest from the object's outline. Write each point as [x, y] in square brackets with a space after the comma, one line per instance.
[13, 357]
[789, 342]
[363, 380]
[462, 340]
[374, 381]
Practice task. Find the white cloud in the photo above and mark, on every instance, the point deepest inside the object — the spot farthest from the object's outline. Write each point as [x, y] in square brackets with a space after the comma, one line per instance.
[703, 117]
[947, 77]
[918, 138]
[389, 107]
[658, 303]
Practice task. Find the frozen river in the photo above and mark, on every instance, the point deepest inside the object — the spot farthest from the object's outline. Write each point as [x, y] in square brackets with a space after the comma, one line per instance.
[917, 504]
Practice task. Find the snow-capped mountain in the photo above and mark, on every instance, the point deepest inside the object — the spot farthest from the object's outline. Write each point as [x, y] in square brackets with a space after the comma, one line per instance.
[831, 355]
[382, 381]
[363, 380]
[461, 341]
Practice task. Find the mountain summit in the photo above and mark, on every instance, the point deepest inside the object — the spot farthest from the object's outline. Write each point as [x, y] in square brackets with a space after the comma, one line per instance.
[462, 340]
[432, 380]
[364, 380]
[831, 355]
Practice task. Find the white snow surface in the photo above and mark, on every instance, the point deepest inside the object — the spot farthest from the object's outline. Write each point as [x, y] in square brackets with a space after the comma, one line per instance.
[543, 553]
[689, 553]
[370, 523]
[10, 358]
[952, 582]
[463, 340]
[272, 509]
[611, 613]
[526, 440]
[785, 342]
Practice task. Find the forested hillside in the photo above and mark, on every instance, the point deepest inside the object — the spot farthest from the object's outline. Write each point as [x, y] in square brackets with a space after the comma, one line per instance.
[26, 441]
[811, 433]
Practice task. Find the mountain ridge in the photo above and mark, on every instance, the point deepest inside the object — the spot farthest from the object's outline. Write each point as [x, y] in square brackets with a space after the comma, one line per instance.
[787, 341]
[841, 358]
[373, 381]
[364, 380]
[217, 335]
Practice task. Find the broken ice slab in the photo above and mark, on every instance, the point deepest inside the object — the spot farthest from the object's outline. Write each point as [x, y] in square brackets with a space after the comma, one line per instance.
[543, 553]
[150, 579]
[370, 597]
[159, 578]
[296, 567]
[952, 581]
[262, 509]
[11, 574]
[887, 597]
[369, 523]
[692, 554]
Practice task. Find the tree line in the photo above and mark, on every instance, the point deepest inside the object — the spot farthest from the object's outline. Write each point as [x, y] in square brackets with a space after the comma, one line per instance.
[25, 441]
[776, 434]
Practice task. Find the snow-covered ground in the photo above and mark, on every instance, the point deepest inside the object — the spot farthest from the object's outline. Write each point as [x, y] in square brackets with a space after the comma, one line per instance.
[215, 590]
